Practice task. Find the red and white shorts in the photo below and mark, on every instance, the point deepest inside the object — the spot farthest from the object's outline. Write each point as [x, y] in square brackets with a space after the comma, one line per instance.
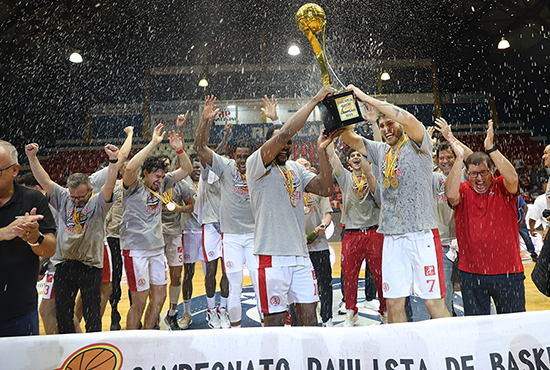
[413, 263]
[173, 249]
[211, 243]
[145, 268]
[107, 265]
[279, 286]
[238, 249]
[47, 293]
[192, 246]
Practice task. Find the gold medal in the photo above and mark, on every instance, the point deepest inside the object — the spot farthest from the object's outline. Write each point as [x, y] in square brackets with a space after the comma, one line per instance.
[360, 194]
[386, 183]
[78, 228]
[171, 206]
[289, 183]
[293, 201]
[394, 183]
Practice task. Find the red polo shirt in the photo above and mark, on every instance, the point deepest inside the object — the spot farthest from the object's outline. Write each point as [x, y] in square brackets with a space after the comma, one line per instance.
[487, 230]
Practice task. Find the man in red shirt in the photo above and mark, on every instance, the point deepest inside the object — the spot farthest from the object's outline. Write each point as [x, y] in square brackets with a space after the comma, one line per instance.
[486, 226]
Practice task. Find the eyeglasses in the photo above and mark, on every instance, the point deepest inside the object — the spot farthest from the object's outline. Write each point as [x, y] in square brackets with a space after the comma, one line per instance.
[483, 173]
[80, 198]
[2, 170]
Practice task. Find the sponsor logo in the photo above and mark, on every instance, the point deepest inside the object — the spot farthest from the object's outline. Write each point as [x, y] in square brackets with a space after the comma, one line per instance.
[95, 356]
[141, 282]
[429, 270]
[275, 300]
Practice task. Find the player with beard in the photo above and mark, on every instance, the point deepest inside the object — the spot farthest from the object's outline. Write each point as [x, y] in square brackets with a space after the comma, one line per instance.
[276, 184]
[141, 227]
[412, 256]
[236, 219]
[487, 230]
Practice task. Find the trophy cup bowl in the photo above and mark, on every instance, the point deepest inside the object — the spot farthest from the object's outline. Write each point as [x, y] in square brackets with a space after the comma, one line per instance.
[312, 17]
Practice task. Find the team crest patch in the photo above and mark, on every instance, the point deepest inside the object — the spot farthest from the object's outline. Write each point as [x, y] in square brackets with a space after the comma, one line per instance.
[141, 282]
[229, 264]
[386, 287]
[429, 270]
[275, 300]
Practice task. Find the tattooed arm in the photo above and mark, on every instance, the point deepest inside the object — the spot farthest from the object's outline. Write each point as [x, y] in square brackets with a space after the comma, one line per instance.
[413, 128]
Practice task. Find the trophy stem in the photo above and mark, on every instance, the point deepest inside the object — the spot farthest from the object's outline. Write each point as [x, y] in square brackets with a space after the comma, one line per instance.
[321, 58]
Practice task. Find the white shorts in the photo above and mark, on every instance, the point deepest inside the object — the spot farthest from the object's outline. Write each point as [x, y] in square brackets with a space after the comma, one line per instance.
[47, 293]
[107, 265]
[145, 268]
[211, 243]
[192, 246]
[279, 286]
[237, 249]
[413, 263]
[173, 249]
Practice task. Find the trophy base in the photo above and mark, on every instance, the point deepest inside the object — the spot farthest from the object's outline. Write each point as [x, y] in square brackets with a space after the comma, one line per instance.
[339, 110]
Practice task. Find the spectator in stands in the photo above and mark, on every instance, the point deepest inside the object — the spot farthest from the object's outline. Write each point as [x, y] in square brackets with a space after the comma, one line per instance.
[486, 221]
[141, 228]
[27, 232]
[518, 165]
[80, 235]
[533, 193]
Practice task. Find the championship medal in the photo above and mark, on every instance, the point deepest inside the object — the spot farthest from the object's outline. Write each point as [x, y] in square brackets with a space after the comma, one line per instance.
[394, 183]
[78, 228]
[359, 194]
[386, 183]
[171, 206]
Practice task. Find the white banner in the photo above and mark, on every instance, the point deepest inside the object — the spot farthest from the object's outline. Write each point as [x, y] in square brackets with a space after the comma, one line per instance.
[497, 342]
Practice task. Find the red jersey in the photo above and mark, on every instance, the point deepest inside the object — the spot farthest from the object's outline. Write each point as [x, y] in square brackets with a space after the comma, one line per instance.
[487, 230]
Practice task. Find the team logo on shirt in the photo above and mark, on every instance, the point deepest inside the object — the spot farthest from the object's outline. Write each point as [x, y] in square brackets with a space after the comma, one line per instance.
[153, 203]
[81, 215]
[275, 300]
[429, 270]
[240, 186]
[441, 197]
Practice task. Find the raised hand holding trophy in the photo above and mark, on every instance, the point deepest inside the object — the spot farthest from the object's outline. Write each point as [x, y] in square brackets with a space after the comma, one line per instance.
[337, 110]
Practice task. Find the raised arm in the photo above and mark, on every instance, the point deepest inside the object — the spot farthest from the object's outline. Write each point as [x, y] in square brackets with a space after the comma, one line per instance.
[442, 126]
[270, 109]
[114, 159]
[180, 122]
[203, 130]
[371, 116]
[337, 167]
[452, 184]
[226, 135]
[185, 164]
[38, 171]
[352, 139]
[371, 180]
[131, 173]
[413, 128]
[322, 183]
[124, 150]
[506, 168]
[273, 146]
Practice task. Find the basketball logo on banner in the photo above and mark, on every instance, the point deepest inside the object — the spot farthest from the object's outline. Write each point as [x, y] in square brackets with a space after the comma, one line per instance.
[102, 356]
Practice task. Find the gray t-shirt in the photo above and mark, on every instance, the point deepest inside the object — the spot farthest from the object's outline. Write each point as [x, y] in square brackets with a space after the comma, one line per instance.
[235, 210]
[189, 220]
[410, 207]
[141, 226]
[114, 216]
[445, 214]
[171, 221]
[315, 210]
[212, 197]
[357, 213]
[86, 246]
[279, 228]
[98, 179]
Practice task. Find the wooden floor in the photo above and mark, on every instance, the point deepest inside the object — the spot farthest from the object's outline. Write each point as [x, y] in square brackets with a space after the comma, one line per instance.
[535, 301]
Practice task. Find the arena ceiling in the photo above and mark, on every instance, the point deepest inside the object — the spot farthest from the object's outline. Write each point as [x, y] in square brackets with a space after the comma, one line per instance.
[43, 93]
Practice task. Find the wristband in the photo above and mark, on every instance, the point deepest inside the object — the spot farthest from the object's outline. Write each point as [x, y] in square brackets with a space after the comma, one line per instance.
[493, 149]
[113, 160]
[180, 151]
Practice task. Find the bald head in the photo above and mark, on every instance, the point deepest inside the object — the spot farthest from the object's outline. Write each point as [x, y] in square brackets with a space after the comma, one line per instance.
[546, 156]
[304, 162]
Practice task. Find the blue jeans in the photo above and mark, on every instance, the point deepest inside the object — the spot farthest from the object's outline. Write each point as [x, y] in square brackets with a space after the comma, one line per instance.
[507, 291]
[22, 325]
[524, 233]
[448, 272]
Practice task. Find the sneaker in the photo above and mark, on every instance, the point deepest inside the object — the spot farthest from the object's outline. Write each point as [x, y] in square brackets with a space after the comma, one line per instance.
[342, 308]
[328, 324]
[225, 323]
[185, 321]
[384, 317]
[351, 319]
[156, 327]
[213, 319]
[172, 321]
[372, 305]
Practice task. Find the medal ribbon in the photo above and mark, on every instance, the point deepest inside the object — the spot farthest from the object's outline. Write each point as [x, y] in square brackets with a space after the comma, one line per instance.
[390, 162]
[76, 215]
[359, 183]
[288, 183]
[165, 198]
[306, 199]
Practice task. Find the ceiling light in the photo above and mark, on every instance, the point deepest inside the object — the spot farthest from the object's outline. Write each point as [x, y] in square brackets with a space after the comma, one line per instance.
[294, 50]
[503, 44]
[75, 58]
[385, 76]
[203, 82]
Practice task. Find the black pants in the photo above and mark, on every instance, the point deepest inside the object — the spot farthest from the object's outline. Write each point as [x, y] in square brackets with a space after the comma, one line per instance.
[70, 276]
[116, 257]
[321, 264]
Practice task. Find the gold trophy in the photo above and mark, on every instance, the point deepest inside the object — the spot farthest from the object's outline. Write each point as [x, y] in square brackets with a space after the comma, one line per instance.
[340, 109]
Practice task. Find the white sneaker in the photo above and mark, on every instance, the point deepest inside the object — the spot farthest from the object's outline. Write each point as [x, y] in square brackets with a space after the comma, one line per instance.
[384, 317]
[372, 305]
[351, 319]
[213, 319]
[342, 308]
[185, 321]
[328, 323]
[225, 323]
